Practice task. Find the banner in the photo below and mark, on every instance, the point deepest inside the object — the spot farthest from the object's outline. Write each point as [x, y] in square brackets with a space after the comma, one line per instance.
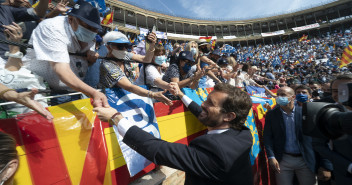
[229, 37]
[130, 27]
[280, 32]
[255, 91]
[306, 27]
[143, 31]
[161, 35]
[182, 36]
[139, 110]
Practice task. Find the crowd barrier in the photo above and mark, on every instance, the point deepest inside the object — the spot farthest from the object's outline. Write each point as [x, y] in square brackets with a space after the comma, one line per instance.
[77, 148]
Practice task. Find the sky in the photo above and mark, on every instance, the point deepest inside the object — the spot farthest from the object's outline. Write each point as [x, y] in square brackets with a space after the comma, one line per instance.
[225, 9]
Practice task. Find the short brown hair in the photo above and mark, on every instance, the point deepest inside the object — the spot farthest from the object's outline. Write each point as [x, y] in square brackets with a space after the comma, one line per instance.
[237, 101]
[8, 150]
[304, 87]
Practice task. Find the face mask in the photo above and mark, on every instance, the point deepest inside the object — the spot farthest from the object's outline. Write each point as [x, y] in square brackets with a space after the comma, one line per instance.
[186, 68]
[119, 54]
[302, 98]
[193, 51]
[84, 35]
[283, 101]
[160, 59]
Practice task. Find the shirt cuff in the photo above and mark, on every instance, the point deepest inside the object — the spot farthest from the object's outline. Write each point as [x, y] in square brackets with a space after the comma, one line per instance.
[186, 100]
[349, 169]
[123, 126]
[271, 157]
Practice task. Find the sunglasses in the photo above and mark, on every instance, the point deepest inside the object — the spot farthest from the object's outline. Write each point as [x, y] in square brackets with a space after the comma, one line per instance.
[122, 46]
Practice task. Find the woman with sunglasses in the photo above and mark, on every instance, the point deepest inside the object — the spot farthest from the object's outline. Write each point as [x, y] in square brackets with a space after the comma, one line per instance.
[8, 159]
[180, 71]
[115, 71]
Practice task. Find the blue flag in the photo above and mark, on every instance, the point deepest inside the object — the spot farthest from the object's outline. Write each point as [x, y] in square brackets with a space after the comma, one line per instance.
[228, 49]
[139, 111]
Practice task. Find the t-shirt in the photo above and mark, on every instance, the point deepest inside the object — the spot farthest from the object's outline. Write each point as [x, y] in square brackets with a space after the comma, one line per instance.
[22, 78]
[9, 14]
[174, 72]
[111, 73]
[53, 40]
[151, 72]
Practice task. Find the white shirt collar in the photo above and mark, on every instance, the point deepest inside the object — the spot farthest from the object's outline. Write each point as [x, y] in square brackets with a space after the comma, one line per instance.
[219, 131]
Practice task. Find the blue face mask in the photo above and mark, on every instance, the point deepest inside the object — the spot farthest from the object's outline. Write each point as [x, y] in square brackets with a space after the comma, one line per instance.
[193, 51]
[186, 68]
[84, 35]
[283, 101]
[160, 59]
[302, 98]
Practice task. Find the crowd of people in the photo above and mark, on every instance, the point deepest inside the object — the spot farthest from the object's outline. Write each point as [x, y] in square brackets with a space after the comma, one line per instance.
[72, 53]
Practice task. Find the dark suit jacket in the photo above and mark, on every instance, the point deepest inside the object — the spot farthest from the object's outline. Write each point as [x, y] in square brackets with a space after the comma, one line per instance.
[275, 137]
[211, 159]
[340, 156]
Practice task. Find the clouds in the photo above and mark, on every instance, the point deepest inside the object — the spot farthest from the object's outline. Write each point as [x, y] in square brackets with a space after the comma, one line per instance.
[227, 9]
[242, 9]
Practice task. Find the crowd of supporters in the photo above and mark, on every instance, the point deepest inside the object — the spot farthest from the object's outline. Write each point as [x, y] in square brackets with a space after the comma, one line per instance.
[72, 53]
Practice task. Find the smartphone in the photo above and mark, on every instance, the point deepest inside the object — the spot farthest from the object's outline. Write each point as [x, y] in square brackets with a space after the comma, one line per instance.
[148, 41]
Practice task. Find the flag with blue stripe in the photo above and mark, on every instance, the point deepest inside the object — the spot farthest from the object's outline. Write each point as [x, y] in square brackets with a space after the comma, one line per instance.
[139, 111]
[250, 123]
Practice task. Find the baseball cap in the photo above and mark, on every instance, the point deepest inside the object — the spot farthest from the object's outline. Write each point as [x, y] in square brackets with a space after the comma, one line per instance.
[86, 13]
[186, 55]
[115, 37]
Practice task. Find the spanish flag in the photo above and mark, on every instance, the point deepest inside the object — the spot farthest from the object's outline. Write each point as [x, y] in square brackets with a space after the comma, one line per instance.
[208, 39]
[346, 56]
[108, 18]
[213, 42]
[303, 38]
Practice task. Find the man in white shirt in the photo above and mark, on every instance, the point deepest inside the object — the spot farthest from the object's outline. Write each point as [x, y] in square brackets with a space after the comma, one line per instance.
[53, 41]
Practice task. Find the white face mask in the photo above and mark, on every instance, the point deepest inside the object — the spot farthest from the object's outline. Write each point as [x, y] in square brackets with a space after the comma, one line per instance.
[119, 54]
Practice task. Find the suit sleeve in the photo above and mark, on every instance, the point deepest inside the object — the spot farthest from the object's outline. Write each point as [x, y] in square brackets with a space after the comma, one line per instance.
[321, 146]
[191, 105]
[198, 160]
[268, 135]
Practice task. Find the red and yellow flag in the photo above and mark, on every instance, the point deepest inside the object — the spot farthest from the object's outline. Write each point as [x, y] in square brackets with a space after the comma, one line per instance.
[208, 39]
[304, 37]
[108, 18]
[346, 56]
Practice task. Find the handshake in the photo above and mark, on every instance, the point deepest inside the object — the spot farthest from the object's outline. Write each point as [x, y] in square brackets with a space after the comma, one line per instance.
[174, 89]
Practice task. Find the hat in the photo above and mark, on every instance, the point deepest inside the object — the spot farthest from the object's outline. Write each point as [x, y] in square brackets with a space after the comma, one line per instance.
[255, 68]
[222, 61]
[216, 52]
[186, 55]
[202, 42]
[115, 37]
[86, 13]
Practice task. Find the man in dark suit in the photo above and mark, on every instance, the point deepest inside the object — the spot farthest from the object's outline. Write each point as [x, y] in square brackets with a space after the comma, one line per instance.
[288, 150]
[340, 150]
[219, 157]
